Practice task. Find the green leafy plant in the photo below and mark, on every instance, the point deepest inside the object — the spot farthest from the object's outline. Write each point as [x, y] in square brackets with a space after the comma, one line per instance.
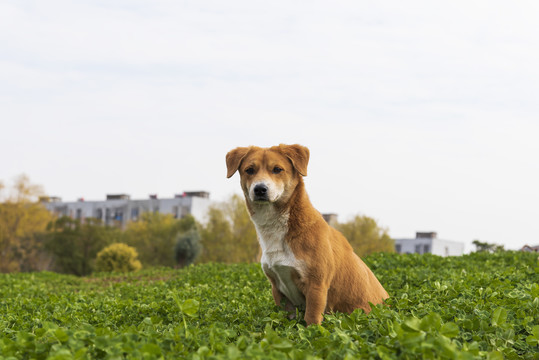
[478, 306]
[188, 307]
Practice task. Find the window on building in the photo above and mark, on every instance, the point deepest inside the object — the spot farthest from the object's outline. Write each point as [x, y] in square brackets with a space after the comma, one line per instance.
[446, 251]
[426, 249]
[134, 213]
[184, 211]
[418, 249]
[175, 212]
[398, 248]
[99, 214]
[156, 209]
[79, 214]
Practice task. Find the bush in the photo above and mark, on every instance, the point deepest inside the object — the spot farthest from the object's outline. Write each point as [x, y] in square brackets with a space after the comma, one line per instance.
[187, 248]
[118, 258]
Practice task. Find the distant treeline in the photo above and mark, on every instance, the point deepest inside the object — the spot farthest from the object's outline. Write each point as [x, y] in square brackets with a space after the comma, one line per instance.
[33, 239]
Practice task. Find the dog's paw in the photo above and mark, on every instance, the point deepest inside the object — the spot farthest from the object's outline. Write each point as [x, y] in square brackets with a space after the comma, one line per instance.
[291, 316]
[313, 319]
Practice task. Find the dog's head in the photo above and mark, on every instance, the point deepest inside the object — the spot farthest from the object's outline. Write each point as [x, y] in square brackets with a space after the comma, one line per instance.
[268, 175]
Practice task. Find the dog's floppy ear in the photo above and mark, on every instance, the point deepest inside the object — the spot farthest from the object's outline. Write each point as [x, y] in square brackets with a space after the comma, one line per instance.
[298, 155]
[233, 160]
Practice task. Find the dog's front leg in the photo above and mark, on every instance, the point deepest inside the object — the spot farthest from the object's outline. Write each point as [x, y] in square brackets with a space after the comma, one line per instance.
[316, 300]
[278, 297]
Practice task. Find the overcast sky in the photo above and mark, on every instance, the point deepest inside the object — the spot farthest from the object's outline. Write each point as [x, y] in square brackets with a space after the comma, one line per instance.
[421, 114]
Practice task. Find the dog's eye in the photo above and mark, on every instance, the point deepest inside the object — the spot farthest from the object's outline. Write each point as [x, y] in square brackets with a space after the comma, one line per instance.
[250, 171]
[277, 170]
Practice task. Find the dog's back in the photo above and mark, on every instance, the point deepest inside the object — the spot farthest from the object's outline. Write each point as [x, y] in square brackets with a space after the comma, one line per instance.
[352, 284]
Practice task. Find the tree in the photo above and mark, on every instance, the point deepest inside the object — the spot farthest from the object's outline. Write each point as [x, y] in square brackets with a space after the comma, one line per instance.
[22, 221]
[487, 247]
[187, 247]
[366, 236]
[228, 235]
[75, 245]
[243, 229]
[154, 236]
[216, 236]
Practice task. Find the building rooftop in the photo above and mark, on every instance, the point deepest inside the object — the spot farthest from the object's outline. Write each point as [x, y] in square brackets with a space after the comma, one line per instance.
[118, 197]
[426, 235]
[529, 248]
[123, 196]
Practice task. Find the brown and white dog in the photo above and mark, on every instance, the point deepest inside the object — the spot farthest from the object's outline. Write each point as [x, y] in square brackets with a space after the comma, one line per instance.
[307, 262]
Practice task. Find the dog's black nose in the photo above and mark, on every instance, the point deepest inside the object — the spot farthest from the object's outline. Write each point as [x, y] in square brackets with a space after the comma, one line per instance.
[261, 192]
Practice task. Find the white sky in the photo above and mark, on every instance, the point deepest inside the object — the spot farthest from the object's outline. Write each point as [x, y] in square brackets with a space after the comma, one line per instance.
[421, 114]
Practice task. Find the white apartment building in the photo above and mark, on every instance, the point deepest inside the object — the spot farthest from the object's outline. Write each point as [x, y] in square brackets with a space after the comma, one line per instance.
[428, 242]
[118, 209]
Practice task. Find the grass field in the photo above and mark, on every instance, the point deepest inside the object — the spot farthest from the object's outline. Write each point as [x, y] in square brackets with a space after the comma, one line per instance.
[478, 306]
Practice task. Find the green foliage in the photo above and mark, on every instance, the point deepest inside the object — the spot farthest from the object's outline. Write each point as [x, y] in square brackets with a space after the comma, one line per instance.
[187, 248]
[228, 235]
[75, 245]
[478, 306]
[154, 235]
[365, 236]
[117, 258]
[481, 246]
[216, 236]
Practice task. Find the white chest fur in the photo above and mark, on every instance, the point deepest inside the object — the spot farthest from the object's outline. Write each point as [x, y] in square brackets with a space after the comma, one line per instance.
[278, 260]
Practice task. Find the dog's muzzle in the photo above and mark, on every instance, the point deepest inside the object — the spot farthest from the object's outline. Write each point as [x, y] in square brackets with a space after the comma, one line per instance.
[261, 192]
